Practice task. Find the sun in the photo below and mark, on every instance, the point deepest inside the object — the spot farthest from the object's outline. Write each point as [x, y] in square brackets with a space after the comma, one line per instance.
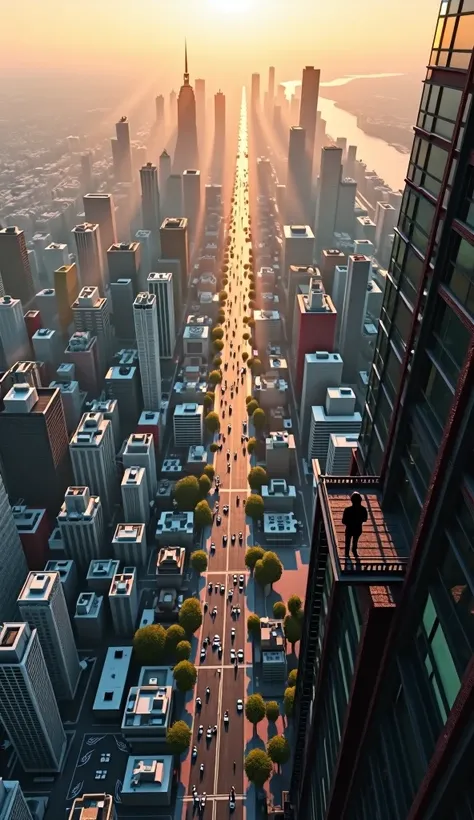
[231, 6]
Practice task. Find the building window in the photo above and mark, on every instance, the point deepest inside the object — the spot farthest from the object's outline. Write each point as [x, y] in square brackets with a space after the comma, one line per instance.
[438, 397]
[402, 325]
[375, 455]
[393, 373]
[438, 660]
[410, 504]
[455, 596]
[460, 272]
[384, 413]
[419, 459]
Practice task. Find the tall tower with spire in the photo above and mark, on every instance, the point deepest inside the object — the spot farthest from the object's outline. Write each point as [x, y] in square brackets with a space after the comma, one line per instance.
[186, 153]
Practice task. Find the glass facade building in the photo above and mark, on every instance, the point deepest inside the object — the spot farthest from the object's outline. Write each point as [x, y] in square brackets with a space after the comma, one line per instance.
[405, 749]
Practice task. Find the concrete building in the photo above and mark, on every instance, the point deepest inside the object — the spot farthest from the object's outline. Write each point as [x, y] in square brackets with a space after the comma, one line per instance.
[100, 575]
[48, 348]
[11, 556]
[345, 213]
[273, 651]
[71, 398]
[135, 498]
[196, 344]
[161, 285]
[129, 544]
[298, 247]
[93, 458]
[326, 197]
[93, 807]
[280, 529]
[175, 529]
[47, 305]
[148, 781]
[89, 255]
[121, 151]
[99, 209]
[90, 619]
[321, 370]
[353, 315]
[91, 313]
[188, 424]
[123, 601]
[280, 453]
[28, 708]
[140, 452]
[147, 715]
[270, 392]
[174, 245]
[267, 328]
[297, 178]
[151, 203]
[314, 327]
[340, 453]
[365, 228]
[337, 416]
[192, 198]
[110, 693]
[55, 255]
[14, 264]
[13, 805]
[14, 342]
[144, 239]
[330, 259]
[278, 496]
[164, 170]
[122, 382]
[110, 411]
[386, 218]
[170, 567]
[33, 528]
[82, 526]
[68, 577]
[122, 294]
[42, 604]
[82, 353]
[123, 262]
[148, 343]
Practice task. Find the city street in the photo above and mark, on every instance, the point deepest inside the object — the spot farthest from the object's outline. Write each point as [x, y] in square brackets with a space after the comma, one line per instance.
[223, 755]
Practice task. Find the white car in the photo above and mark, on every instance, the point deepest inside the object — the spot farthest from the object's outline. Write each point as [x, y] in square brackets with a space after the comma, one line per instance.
[240, 705]
[240, 655]
[217, 639]
[241, 580]
[232, 655]
[203, 654]
[232, 633]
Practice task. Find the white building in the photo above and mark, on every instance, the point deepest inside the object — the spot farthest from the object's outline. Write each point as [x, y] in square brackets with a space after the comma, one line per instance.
[386, 217]
[135, 500]
[89, 254]
[55, 256]
[279, 496]
[188, 424]
[28, 708]
[82, 527]
[14, 341]
[175, 529]
[337, 416]
[100, 806]
[11, 557]
[147, 714]
[123, 602]
[42, 604]
[321, 370]
[93, 458]
[148, 343]
[280, 529]
[298, 247]
[140, 452]
[340, 454]
[100, 574]
[13, 805]
[353, 314]
[91, 312]
[48, 347]
[129, 544]
[148, 781]
[67, 572]
[327, 195]
[111, 687]
[268, 327]
[196, 343]
[161, 285]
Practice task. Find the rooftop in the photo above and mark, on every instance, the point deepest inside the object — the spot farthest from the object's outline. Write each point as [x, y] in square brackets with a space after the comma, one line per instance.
[88, 605]
[382, 548]
[122, 584]
[92, 807]
[175, 522]
[278, 524]
[38, 587]
[102, 568]
[170, 561]
[149, 774]
[297, 232]
[280, 441]
[129, 533]
[147, 706]
[113, 678]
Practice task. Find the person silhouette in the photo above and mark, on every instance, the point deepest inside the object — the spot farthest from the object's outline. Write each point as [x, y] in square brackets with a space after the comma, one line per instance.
[353, 518]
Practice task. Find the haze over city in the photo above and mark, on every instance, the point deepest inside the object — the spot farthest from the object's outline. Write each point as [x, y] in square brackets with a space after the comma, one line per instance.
[236, 410]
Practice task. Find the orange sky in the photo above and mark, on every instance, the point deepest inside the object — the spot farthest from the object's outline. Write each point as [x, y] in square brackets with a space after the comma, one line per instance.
[134, 37]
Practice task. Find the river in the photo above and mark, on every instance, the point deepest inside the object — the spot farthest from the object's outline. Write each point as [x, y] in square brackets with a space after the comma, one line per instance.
[378, 155]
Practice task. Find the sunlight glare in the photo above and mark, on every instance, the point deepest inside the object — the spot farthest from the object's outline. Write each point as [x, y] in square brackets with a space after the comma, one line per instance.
[231, 6]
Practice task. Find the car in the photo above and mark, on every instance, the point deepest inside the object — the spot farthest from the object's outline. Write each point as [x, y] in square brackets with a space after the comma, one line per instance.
[224, 540]
[240, 705]
[233, 538]
[209, 734]
[200, 730]
[226, 717]
[240, 655]
[225, 510]
[235, 580]
[232, 634]
[237, 611]
[222, 589]
[216, 639]
[241, 580]
[194, 754]
[213, 546]
[232, 656]
[241, 538]
[219, 652]
[230, 594]
[209, 586]
[203, 654]
[218, 520]
[214, 612]
[231, 804]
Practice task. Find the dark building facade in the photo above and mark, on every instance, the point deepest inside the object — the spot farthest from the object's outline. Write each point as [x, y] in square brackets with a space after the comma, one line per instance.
[385, 698]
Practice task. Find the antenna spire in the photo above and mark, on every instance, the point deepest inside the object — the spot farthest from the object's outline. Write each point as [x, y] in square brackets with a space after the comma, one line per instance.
[186, 72]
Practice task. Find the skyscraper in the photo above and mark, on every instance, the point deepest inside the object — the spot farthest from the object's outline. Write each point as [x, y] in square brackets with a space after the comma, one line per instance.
[91, 312]
[11, 556]
[326, 198]
[93, 458]
[99, 209]
[173, 110]
[192, 198]
[160, 113]
[255, 92]
[82, 527]
[200, 90]
[384, 694]
[164, 171]
[148, 343]
[14, 264]
[186, 154]
[308, 115]
[219, 120]
[43, 606]
[271, 91]
[28, 708]
[121, 152]
[13, 805]
[151, 203]
[174, 245]
[353, 315]
[14, 342]
[161, 285]
[296, 181]
[34, 446]
[89, 255]
[123, 261]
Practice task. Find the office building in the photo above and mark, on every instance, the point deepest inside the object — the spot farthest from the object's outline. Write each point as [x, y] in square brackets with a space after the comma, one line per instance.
[186, 153]
[298, 247]
[55, 255]
[100, 575]
[345, 212]
[48, 348]
[91, 313]
[148, 780]
[123, 262]
[353, 314]
[219, 121]
[146, 331]
[321, 370]
[14, 342]
[164, 171]
[200, 95]
[151, 203]
[307, 121]
[213, 198]
[174, 204]
[175, 529]
[280, 453]
[81, 352]
[255, 92]
[70, 395]
[90, 619]
[386, 217]
[188, 424]
[123, 602]
[82, 526]
[174, 245]
[28, 708]
[299, 277]
[14, 264]
[11, 556]
[89, 255]
[297, 178]
[144, 240]
[140, 452]
[161, 285]
[192, 198]
[99, 209]
[48, 307]
[122, 294]
[13, 805]
[326, 197]
[32, 321]
[160, 114]
[129, 544]
[340, 454]
[110, 411]
[43, 606]
[93, 458]
[93, 807]
[67, 575]
[87, 180]
[122, 382]
[337, 416]
[66, 288]
[365, 228]
[314, 326]
[121, 153]
[34, 530]
[135, 499]
[34, 446]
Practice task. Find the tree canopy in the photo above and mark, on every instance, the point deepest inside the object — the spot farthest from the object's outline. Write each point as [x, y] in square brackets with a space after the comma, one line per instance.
[258, 767]
[218, 345]
[199, 560]
[149, 644]
[185, 674]
[253, 624]
[259, 418]
[212, 422]
[257, 477]
[252, 406]
[255, 709]
[217, 333]
[251, 444]
[186, 492]
[272, 711]
[215, 377]
[183, 651]
[217, 361]
[279, 610]
[190, 615]
[278, 749]
[223, 296]
[210, 471]
[202, 514]
[178, 737]
[256, 366]
[254, 506]
[289, 700]
[205, 485]
[174, 634]
[253, 555]
[294, 604]
[292, 627]
[245, 356]
[293, 677]
[208, 401]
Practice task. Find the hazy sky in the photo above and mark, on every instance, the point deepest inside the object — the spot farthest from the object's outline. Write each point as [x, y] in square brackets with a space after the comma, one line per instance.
[227, 39]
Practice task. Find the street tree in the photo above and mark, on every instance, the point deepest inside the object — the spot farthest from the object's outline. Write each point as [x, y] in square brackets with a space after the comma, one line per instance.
[253, 555]
[199, 561]
[279, 610]
[257, 477]
[190, 615]
[246, 336]
[186, 492]
[251, 444]
[252, 406]
[293, 677]
[149, 644]
[245, 356]
[292, 627]
[212, 422]
[253, 624]
[259, 419]
[255, 709]
[217, 361]
[254, 506]
[272, 711]
[210, 471]
[183, 651]
[178, 737]
[218, 345]
[215, 377]
[294, 605]
[174, 634]
[208, 401]
[205, 485]
[289, 701]
[202, 514]
[217, 333]
[185, 674]
[223, 296]
[258, 767]
[260, 573]
[278, 749]
[214, 447]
